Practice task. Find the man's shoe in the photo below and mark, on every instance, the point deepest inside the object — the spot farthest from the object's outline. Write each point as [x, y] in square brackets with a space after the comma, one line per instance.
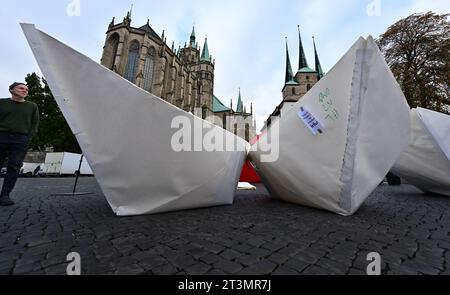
[6, 201]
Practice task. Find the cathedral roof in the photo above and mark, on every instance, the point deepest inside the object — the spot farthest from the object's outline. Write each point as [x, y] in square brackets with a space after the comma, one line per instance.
[205, 51]
[149, 30]
[302, 63]
[289, 76]
[239, 108]
[306, 70]
[218, 106]
[317, 62]
[192, 38]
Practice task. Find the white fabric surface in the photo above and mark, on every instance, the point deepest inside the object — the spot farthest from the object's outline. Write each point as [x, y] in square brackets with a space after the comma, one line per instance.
[245, 186]
[125, 134]
[338, 169]
[425, 163]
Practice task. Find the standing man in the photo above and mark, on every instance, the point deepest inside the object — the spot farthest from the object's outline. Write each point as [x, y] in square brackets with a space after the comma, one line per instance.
[19, 121]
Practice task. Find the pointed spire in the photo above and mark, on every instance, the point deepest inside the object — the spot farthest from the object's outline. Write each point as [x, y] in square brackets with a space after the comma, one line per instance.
[112, 22]
[231, 105]
[302, 63]
[162, 36]
[317, 62]
[289, 74]
[239, 103]
[205, 51]
[128, 18]
[192, 38]
[251, 108]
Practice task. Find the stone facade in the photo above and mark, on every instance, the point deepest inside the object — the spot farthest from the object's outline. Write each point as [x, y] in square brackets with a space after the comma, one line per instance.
[182, 77]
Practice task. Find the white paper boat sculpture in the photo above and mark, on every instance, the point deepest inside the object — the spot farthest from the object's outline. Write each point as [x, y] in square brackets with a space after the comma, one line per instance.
[355, 124]
[126, 135]
[425, 163]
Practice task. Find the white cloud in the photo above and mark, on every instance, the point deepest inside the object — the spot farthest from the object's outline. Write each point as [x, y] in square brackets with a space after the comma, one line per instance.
[438, 6]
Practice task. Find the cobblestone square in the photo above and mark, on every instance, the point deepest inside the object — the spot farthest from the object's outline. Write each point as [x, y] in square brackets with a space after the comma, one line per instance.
[256, 235]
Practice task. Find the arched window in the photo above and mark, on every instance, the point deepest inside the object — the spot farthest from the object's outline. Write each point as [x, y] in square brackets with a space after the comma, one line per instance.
[224, 121]
[308, 87]
[235, 129]
[247, 132]
[204, 113]
[293, 91]
[111, 51]
[148, 69]
[133, 59]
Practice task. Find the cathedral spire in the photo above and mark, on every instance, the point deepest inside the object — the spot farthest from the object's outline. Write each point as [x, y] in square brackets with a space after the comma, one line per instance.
[302, 63]
[317, 62]
[205, 52]
[239, 103]
[289, 74]
[128, 18]
[192, 38]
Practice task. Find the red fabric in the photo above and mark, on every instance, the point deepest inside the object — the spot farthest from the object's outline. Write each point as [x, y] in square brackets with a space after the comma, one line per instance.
[248, 174]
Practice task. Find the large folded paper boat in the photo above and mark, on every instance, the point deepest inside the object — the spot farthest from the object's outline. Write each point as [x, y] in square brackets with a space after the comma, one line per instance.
[339, 140]
[126, 135]
[425, 163]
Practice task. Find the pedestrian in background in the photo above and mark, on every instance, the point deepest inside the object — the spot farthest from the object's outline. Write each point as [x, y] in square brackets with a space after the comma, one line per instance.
[19, 120]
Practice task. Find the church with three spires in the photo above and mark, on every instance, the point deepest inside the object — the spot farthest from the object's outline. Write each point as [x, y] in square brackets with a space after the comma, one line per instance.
[183, 77]
[295, 86]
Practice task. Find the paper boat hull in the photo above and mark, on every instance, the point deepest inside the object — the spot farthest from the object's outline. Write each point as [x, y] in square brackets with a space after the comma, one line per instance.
[126, 135]
[365, 125]
[425, 163]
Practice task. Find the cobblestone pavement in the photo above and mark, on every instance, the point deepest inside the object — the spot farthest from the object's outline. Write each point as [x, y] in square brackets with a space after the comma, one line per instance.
[256, 235]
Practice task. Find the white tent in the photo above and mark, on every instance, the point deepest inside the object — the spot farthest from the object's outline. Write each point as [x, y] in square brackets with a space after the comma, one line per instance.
[127, 135]
[340, 139]
[425, 163]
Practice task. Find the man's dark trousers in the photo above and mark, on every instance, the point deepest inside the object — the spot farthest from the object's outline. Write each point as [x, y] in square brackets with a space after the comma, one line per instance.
[13, 146]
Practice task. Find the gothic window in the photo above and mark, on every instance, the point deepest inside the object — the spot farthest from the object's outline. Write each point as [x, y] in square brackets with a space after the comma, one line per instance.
[308, 87]
[148, 69]
[133, 58]
[247, 132]
[111, 51]
[224, 121]
[307, 77]
[293, 91]
[203, 113]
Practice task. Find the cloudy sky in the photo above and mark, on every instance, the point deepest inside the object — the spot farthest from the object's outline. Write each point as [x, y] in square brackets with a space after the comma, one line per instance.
[245, 37]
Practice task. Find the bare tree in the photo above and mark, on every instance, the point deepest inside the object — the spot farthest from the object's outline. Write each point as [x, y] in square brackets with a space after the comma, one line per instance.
[417, 49]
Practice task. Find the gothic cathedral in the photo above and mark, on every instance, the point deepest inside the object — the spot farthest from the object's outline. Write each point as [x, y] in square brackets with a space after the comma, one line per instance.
[182, 77]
